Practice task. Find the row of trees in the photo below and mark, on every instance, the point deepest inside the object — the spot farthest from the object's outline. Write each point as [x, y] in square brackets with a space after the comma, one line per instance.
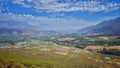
[113, 51]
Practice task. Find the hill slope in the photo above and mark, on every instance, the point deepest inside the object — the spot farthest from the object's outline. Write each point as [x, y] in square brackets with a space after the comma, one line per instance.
[110, 27]
[40, 58]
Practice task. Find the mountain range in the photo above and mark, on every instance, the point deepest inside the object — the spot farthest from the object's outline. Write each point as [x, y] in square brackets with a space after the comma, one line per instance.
[109, 27]
[17, 27]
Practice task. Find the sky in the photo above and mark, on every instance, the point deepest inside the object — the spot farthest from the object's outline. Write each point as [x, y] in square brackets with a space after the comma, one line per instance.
[59, 14]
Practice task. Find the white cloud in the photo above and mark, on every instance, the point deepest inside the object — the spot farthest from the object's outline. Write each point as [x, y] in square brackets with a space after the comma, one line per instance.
[68, 5]
[50, 23]
[22, 3]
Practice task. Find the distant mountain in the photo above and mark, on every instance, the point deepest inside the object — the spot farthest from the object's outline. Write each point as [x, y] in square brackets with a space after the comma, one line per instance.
[17, 27]
[110, 27]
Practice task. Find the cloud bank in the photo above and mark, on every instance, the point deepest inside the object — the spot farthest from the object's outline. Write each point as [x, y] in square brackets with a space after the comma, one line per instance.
[68, 5]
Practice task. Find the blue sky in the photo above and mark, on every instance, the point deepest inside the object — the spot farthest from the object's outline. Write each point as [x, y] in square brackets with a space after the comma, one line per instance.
[60, 14]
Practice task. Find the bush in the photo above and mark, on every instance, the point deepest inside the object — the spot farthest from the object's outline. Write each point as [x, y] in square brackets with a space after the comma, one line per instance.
[16, 65]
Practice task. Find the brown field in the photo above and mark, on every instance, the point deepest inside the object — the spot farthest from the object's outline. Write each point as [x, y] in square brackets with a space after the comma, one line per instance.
[104, 38]
[98, 48]
[65, 39]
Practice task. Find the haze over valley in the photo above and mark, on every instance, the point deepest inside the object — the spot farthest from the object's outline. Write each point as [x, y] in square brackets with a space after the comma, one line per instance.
[59, 34]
